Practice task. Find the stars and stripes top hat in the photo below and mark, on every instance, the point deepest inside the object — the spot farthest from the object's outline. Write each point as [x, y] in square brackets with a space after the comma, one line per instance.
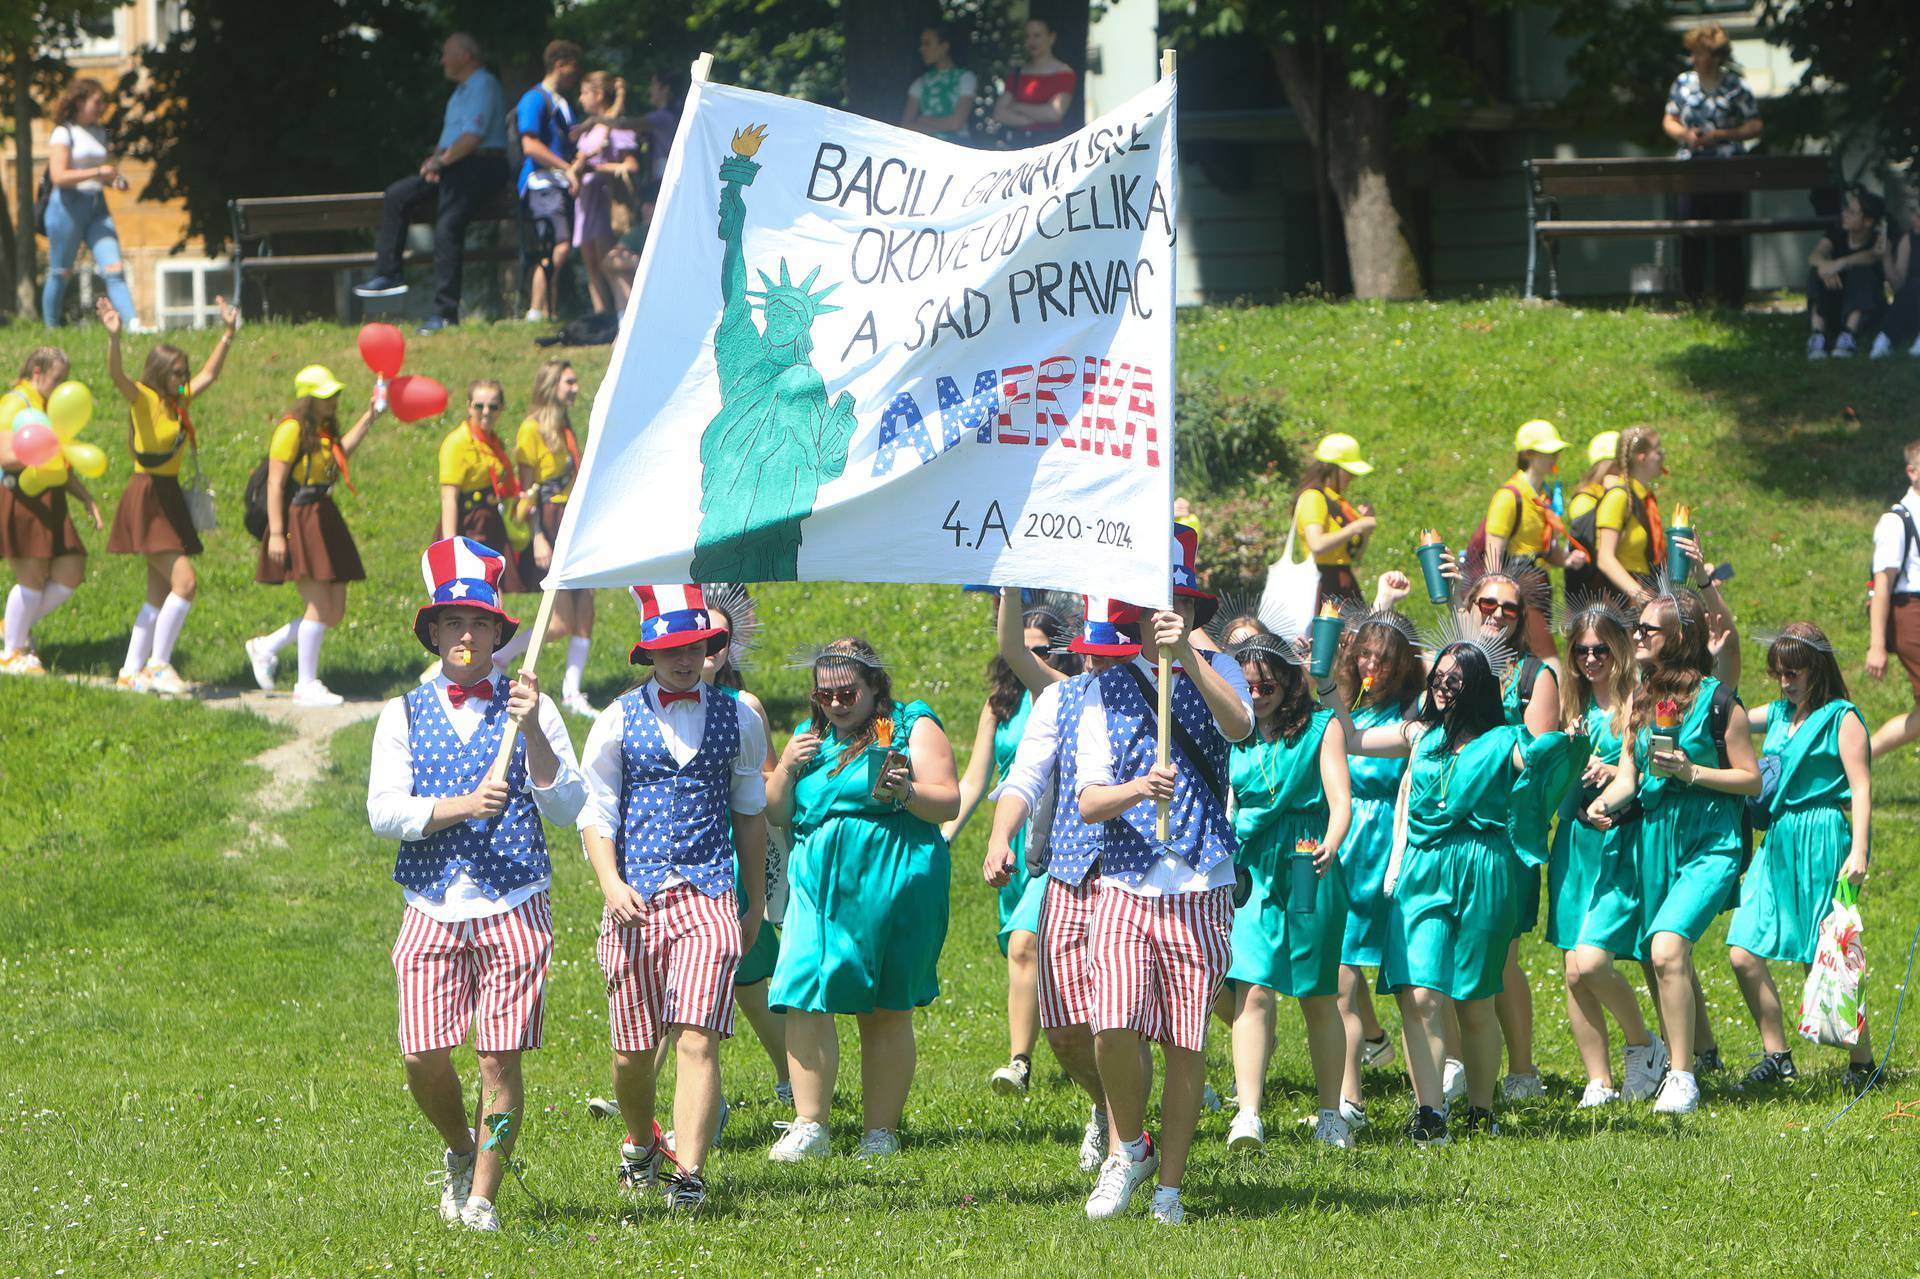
[672, 616]
[1111, 628]
[1186, 579]
[463, 573]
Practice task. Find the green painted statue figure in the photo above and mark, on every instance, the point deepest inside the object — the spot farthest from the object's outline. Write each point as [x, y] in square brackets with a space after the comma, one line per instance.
[776, 439]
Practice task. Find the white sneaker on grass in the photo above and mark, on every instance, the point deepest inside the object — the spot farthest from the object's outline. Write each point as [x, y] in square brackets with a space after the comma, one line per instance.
[313, 693]
[1844, 347]
[1679, 1095]
[1816, 346]
[579, 705]
[479, 1215]
[264, 661]
[1011, 1080]
[1332, 1130]
[803, 1140]
[1120, 1177]
[1166, 1209]
[1354, 1113]
[1247, 1133]
[1599, 1093]
[878, 1143]
[1093, 1140]
[1915, 348]
[1522, 1087]
[456, 1184]
[1376, 1054]
[1882, 347]
[1453, 1079]
[639, 1167]
[1646, 1065]
[161, 678]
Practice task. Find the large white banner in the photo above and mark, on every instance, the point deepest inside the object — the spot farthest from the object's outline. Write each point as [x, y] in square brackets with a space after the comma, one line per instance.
[857, 353]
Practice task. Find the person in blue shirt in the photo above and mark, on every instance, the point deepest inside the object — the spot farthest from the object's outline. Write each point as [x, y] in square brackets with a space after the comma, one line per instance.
[467, 165]
[544, 119]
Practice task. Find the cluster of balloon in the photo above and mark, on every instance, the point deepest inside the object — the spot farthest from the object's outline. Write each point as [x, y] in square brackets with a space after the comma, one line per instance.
[411, 398]
[46, 441]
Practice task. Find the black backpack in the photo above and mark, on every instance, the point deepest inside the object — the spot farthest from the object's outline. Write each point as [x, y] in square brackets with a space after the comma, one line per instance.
[254, 503]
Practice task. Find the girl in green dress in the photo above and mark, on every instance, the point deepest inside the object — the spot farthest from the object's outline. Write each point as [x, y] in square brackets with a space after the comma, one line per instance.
[1593, 903]
[940, 102]
[1003, 718]
[1289, 781]
[1687, 842]
[1822, 813]
[863, 785]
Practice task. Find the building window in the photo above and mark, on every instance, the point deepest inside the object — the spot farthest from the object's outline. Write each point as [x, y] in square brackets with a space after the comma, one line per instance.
[1739, 9]
[165, 19]
[184, 292]
[104, 36]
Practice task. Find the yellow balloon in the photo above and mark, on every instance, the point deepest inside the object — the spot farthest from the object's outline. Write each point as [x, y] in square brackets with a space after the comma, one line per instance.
[87, 459]
[69, 408]
[10, 403]
[36, 480]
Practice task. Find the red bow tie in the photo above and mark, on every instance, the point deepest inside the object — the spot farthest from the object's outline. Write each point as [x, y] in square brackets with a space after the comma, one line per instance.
[667, 699]
[459, 693]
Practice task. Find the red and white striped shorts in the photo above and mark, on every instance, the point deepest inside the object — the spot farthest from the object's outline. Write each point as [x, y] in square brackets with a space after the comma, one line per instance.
[674, 967]
[1157, 962]
[488, 973]
[1066, 985]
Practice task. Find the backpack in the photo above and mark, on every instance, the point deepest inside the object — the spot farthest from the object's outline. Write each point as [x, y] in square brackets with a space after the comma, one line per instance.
[1719, 720]
[254, 503]
[1909, 536]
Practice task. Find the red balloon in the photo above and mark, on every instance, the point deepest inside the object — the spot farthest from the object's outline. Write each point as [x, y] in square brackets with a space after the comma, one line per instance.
[382, 347]
[414, 397]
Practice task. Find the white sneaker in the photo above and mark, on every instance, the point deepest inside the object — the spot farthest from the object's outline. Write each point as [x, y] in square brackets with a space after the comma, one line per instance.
[639, 1167]
[1597, 1094]
[1247, 1132]
[130, 681]
[1453, 1079]
[1844, 347]
[479, 1214]
[1522, 1087]
[803, 1140]
[579, 705]
[1915, 348]
[878, 1143]
[1376, 1054]
[1816, 346]
[1646, 1065]
[1011, 1079]
[265, 662]
[1209, 1099]
[1120, 1176]
[1333, 1130]
[457, 1184]
[1093, 1140]
[1882, 347]
[22, 662]
[1679, 1095]
[313, 693]
[536, 317]
[1167, 1209]
[161, 678]
[1354, 1113]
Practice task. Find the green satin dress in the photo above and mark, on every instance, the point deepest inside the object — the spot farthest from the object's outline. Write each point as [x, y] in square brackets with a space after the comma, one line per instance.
[1021, 896]
[1687, 842]
[1586, 864]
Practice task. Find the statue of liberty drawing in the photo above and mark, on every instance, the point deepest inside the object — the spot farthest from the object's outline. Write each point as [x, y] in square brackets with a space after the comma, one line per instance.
[776, 439]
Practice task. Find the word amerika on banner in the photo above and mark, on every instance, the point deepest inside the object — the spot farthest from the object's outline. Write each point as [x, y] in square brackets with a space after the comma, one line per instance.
[859, 354]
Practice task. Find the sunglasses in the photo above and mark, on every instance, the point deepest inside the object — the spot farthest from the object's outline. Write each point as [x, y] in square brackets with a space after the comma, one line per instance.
[1451, 682]
[1589, 652]
[1041, 651]
[486, 408]
[1647, 630]
[1489, 607]
[1262, 687]
[845, 695]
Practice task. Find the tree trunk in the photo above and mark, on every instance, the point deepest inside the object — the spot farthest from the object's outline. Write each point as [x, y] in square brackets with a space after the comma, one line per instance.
[883, 52]
[25, 294]
[1363, 169]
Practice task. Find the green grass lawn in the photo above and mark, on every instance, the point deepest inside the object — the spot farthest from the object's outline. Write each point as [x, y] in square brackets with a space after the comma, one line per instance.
[203, 1076]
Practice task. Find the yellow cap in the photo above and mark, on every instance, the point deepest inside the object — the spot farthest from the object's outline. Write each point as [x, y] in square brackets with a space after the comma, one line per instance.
[1603, 447]
[1344, 452]
[1538, 436]
[317, 381]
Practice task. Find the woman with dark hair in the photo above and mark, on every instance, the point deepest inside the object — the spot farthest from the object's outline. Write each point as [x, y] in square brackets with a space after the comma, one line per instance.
[1291, 797]
[1902, 328]
[1333, 528]
[1819, 831]
[152, 520]
[1476, 806]
[1039, 96]
[80, 169]
[1688, 771]
[1003, 719]
[37, 536]
[863, 784]
[606, 160]
[1847, 277]
[940, 102]
[1591, 883]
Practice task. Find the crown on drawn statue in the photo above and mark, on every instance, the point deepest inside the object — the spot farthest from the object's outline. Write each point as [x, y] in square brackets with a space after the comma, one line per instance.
[797, 297]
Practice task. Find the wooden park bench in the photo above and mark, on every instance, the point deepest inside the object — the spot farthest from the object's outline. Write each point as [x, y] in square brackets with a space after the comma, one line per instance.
[1551, 181]
[260, 224]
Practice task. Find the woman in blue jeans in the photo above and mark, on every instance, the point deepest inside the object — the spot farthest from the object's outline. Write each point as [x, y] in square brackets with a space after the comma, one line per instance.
[81, 170]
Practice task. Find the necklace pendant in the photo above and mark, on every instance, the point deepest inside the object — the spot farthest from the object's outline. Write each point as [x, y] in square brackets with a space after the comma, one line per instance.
[1443, 805]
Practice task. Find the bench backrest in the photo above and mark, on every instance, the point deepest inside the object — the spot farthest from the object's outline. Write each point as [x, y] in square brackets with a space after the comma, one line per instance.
[262, 216]
[1673, 176]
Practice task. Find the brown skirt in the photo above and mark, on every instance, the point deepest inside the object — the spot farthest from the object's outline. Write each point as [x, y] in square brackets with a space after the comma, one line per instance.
[37, 528]
[1337, 582]
[319, 548]
[484, 525]
[1904, 637]
[152, 518]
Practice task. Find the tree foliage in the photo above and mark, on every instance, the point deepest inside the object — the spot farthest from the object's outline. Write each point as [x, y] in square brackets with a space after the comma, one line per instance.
[1860, 83]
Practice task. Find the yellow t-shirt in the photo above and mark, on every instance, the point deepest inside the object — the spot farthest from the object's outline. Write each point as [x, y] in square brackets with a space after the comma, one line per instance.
[1520, 523]
[466, 463]
[1634, 549]
[1317, 507]
[1584, 499]
[529, 449]
[26, 392]
[315, 466]
[155, 428]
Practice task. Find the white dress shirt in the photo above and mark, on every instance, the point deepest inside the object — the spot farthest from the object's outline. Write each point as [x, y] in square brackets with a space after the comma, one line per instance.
[1890, 550]
[682, 726]
[395, 812]
[1030, 775]
[1170, 874]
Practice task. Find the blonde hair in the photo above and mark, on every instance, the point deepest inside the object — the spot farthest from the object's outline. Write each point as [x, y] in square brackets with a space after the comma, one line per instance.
[1635, 441]
[1712, 37]
[549, 414]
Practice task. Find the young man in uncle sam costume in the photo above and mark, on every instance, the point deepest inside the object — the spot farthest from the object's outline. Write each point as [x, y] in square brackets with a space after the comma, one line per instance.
[674, 788]
[1160, 939]
[477, 934]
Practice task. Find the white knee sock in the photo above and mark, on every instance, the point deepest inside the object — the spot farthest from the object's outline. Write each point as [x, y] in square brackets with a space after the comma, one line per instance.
[277, 640]
[51, 597]
[577, 647]
[166, 630]
[311, 633]
[23, 605]
[504, 655]
[140, 640]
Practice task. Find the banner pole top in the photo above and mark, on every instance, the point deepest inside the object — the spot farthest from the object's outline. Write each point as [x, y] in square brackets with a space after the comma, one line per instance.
[1166, 63]
[703, 66]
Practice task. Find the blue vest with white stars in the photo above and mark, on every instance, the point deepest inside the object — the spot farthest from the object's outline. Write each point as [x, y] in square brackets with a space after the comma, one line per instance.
[674, 818]
[500, 853]
[1075, 845]
[1198, 832]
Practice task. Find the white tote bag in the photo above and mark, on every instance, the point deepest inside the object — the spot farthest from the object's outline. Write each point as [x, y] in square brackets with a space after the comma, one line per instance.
[1286, 605]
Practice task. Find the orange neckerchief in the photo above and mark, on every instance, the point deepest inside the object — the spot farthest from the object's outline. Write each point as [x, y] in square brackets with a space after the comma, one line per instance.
[1347, 514]
[186, 418]
[1656, 531]
[500, 466]
[339, 458]
[573, 448]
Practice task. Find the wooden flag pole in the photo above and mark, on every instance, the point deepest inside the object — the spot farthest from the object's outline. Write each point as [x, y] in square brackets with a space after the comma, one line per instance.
[1164, 746]
[543, 615]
